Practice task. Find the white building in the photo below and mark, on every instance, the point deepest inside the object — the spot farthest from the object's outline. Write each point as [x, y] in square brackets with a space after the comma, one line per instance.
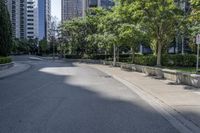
[32, 19]
[24, 18]
[17, 13]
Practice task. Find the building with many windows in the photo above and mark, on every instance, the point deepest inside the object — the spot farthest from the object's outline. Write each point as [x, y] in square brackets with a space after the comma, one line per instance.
[17, 11]
[77, 8]
[44, 16]
[32, 19]
[71, 9]
[97, 3]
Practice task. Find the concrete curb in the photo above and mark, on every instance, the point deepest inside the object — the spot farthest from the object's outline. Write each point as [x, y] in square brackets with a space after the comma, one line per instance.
[6, 66]
[173, 75]
[175, 118]
[35, 58]
[16, 69]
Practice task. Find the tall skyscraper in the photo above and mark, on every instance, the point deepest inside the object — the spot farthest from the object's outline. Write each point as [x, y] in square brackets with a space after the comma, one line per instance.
[17, 11]
[96, 3]
[32, 19]
[71, 9]
[24, 18]
[44, 12]
[77, 8]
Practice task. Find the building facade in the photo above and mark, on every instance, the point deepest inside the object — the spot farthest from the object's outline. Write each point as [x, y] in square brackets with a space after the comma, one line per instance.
[96, 3]
[32, 19]
[44, 16]
[71, 9]
[24, 18]
[77, 8]
[17, 11]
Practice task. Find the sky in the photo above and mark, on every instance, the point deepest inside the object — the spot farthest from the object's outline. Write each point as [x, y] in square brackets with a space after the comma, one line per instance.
[56, 8]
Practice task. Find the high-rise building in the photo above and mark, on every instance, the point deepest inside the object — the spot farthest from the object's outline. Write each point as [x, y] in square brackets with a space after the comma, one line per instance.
[17, 11]
[106, 3]
[97, 3]
[71, 9]
[32, 19]
[44, 13]
[24, 18]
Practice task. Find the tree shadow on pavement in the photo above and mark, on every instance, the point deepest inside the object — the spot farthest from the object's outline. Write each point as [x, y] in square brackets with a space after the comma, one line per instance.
[82, 102]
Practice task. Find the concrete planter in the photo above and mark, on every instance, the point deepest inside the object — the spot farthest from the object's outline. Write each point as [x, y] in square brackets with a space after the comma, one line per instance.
[170, 75]
[127, 67]
[6, 66]
[173, 75]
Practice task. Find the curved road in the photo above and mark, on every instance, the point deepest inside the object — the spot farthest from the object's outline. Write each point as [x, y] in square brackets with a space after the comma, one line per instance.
[58, 97]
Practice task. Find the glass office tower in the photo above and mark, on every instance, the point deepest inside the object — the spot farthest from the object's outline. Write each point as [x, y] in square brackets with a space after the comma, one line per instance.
[44, 13]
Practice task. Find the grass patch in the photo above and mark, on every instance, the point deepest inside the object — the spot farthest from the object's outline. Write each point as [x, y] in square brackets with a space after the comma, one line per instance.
[183, 69]
[4, 60]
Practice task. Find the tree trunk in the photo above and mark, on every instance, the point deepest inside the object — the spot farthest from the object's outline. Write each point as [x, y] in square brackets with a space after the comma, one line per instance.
[118, 54]
[159, 54]
[133, 55]
[114, 55]
[183, 42]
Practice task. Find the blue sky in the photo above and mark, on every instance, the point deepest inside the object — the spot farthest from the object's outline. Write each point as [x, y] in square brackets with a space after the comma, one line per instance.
[56, 8]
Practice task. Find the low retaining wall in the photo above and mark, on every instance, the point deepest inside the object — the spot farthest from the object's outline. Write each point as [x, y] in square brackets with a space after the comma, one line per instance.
[173, 75]
[6, 66]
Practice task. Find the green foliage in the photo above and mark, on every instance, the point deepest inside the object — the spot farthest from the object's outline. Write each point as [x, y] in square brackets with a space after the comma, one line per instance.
[4, 60]
[43, 45]
[5, 30]
[147, 60]
[194, 18]
[130, 24]
[179, 60]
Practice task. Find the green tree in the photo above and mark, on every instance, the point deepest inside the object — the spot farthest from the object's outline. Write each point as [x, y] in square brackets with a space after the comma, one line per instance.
[159, 18]
[5, 30]
[43, 45]
[194, 18]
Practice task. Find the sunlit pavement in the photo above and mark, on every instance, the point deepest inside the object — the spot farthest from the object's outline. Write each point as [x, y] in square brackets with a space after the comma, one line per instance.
[58, 97]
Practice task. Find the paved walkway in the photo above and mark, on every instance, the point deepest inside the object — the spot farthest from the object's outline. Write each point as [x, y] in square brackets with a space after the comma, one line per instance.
[17, 68]
[179, 100]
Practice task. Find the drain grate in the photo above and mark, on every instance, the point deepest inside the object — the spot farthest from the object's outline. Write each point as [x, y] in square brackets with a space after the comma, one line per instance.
[105, 76]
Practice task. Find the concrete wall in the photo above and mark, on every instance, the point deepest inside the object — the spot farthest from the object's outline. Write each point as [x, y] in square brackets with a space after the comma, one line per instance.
[173, 75]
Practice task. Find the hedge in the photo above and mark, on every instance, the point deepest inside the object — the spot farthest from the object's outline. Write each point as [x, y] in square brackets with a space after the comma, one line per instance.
[186, 60]
[4, 60]
[169, 60]
[147, 60]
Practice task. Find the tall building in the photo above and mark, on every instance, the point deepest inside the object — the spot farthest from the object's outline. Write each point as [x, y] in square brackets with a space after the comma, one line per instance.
[17, 11]
[44, 13]
[106, 3]
[24, 18]
[71, 9]
[97, 3]
[32, 19]
[77, 8]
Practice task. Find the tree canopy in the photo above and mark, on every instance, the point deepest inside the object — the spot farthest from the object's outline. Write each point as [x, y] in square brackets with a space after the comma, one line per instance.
[5, 30]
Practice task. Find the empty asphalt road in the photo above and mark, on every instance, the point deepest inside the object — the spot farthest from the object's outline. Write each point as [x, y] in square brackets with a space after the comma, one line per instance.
[60, 97]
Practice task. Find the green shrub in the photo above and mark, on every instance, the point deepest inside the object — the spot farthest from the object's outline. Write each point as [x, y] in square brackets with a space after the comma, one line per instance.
[186, 60]
[147, 60]
[4, 60]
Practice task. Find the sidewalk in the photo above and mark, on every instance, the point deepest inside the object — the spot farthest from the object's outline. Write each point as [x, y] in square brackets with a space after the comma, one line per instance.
[181, 102]
[17, 68]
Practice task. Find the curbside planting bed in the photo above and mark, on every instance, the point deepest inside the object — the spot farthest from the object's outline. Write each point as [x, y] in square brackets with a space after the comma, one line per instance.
[173, 75]
[5, 63]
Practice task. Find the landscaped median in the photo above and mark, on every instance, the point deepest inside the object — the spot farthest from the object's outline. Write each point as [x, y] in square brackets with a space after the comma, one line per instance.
[5, 63]
[161, 73]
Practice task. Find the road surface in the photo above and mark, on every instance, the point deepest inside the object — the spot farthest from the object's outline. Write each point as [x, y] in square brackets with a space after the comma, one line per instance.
[60, 97]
